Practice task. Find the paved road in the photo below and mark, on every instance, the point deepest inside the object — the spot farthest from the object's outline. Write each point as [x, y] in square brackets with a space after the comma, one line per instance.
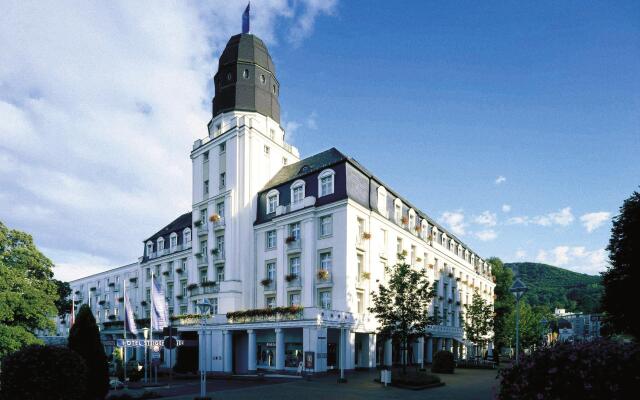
[464, 384]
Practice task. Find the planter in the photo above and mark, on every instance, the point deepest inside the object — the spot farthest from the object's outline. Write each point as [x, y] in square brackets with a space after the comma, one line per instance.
[111, 284]
[178, 270]
[366, 275]
[214, 218]
[197, 223]
[266, 282]
[291, 277]
[133, 279]
[111, 317]
[121, 299]
[290, 239]
[215, 252]
[101, 302]
[366, 235]
[143, 303]
[208, 283]
[77, 292]
[418, 259]
[93, 289]
[165, 273]
[323, 274]
[404, 220]
[179, 297]
[192, 286]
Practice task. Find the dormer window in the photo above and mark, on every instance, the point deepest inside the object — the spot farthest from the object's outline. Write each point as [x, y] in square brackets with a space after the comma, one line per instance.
[297, 192]
[325, 182]
[272, 201]
[186, 236]
[397, 211]
[382, 200]
[149, 249]
[412, 220]
[160, 244]
[173, 241]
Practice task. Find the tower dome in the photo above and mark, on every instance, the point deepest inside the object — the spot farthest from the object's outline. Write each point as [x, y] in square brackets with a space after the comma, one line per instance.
[246, 79]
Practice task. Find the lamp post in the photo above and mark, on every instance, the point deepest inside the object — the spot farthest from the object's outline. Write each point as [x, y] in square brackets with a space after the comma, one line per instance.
[518, 289]
[145, 334]
[205, 309]
[343, 352]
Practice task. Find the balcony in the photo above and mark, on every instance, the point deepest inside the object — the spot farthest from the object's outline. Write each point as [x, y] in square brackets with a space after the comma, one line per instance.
[293, 244]
[203, 228]
[219, 224]
[202, 259]
[207, 287]
[293, 280]
[286, 209]
[217, 255]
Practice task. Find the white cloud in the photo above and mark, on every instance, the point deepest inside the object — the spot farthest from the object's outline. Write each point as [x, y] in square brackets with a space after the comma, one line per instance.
[455, 221]
[594, 220]
[99, 106]
[501, 179]
[506, 208]
[521, 254]
[486, 235]
[487, 218]
[562, 217]
[575, 258]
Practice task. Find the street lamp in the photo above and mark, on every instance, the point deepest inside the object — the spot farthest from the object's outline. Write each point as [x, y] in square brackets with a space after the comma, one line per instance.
[343, 352]
[145, 334]
[518, 289]
[205, 309]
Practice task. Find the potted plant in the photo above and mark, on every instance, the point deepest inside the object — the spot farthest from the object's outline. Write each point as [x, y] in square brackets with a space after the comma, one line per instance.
[179, 270]
[198, 222]
[133, 279]
[366, 235]
[93, 289]
[450, 275]
[418, 228]
[111, 317]
[214, 217]
[112, 284]
[192, 286]
[404, 220]
[101, 302]
[291, 277]
[215, 251]
[431, 266]
[418, 259]
[290, 239]
[323, 274]
[458, 279]
[179, 296]
[165, 273]
[143, 303]
[266, 282]
[121, 299]
[208, 283]
[366, 275]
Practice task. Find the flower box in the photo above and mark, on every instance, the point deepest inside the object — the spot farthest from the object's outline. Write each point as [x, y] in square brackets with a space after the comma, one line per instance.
[133, 279]
[77, 292]
[266, 282]
[430, 266]
[192, 286]
[215, 252]
[93, 289]
[143, 303]
[458, 279]
[457, 303]
[366, 235]
[197, 223]
[290, 239]
[208, 283]
[121, 299]
[291, 277]
[449, 301]
[323, 274]
[101, 302]
[112, 284]
[418, 228]
[214, 217]
[450, 275]
[418, 259]
[179, 270]
[111, 317]
[179, 297]
[165, 273]
[366, 275]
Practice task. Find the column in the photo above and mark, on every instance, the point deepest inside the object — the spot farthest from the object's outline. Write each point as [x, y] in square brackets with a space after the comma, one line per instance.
[448, 344]
[349, 348]
[371, 363]
[279, 349]
[439, 344]
[208, 349]
[251, 350]
[419, 351]
[429, 359]
[227, 354]
[388, 346]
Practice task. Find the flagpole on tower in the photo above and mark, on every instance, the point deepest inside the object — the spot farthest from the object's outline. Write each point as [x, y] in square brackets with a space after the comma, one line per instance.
[124, 330]
[246, 19]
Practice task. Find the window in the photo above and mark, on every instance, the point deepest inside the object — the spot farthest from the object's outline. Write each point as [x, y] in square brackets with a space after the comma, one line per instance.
[203, 248]
[399, 245]
[223, 147]
[220, 274]
[326, 225]
[325, 182]
[294, 266]
[205, 188]
[398, 213]
[203, 274]
[173, 241]
[412, 220]
[294, 231]
[245, 75]
[360, 270]
[183, 288]
[271, 271]
[267, 150]
[297, 192]
[272, 201]
[413, 255]
[325, 299]
[220, 245]
[187, 236]
[271, 239]
[205, 156]
[262, 79]
[325, 260]
[360, 228]
[382, 200]
[147, 274]
[160, 244]
[203, 216]
[147, 295]
[157, 274]
[170, 291]
[214, 305]
[184, 265]
[220, 209]
[272, 134]
[285, 161]
[270, 301]
[149, 249]
[223, 180]
[294, 299]
[360, 300]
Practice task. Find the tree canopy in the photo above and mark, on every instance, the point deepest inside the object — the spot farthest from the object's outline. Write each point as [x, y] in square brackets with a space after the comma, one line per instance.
[622, 277]
[478, 325]
[402, 303]
[27, 291]
[504, 301]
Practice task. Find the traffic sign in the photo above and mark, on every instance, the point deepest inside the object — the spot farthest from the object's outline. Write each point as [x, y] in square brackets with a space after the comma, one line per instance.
[170, 342]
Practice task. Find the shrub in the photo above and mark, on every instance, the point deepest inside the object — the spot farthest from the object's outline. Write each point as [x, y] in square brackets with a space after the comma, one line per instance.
[43, 372]
[84, 338]
[600, 369]
[443, 362]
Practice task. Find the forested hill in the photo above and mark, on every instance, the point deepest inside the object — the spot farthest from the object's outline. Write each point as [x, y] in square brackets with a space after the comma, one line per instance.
[556, 287]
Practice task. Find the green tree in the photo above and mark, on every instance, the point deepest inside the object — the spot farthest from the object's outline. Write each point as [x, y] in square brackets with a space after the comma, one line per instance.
[504, 302]
[402, 304]
[531, 329]
[84, 339]
[63, 302]
[478, 325]
[27, 291]
[621, 278]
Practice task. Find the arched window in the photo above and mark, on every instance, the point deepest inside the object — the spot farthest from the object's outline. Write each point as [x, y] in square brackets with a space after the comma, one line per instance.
[326, 182]
[160, 243]
[397, 214]
[186, 238]
[149, 248]
[273, 200]
[382, 200]
[424, 229]
[412, 220]
[173, 241]
[297, 192]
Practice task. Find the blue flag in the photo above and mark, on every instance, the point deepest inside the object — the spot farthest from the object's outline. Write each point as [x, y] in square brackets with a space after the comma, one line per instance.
[158, 307]
[245, 19]
[129, 320]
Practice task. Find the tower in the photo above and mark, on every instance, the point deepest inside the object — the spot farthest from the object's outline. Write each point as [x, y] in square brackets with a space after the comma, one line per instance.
[244, 148]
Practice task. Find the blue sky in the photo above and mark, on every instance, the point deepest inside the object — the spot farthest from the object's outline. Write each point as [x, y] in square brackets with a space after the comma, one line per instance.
[514, 124]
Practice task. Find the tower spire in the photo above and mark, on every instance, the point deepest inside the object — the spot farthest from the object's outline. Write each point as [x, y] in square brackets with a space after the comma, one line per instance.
[246, 19]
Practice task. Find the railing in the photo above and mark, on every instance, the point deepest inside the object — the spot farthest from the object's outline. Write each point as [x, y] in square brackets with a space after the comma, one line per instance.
[203, 228]
[447, 331]
[271, 286]
[295, 282]
[202, 258]
[219, 256]
[219, 224]
[204, 290]
[294, 245]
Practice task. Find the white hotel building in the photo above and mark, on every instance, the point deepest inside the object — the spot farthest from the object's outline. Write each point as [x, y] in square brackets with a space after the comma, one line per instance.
[269, 230]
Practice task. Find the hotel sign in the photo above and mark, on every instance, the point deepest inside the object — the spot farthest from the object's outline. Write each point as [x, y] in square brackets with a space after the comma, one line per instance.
[143, 343]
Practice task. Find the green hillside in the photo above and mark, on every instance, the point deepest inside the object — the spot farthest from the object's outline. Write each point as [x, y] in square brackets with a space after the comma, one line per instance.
[556, 287]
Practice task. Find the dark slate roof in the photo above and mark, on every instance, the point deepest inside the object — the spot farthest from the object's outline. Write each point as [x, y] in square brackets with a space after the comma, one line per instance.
[333, 156]
[247, 48]
[307, 166]
[177, 225]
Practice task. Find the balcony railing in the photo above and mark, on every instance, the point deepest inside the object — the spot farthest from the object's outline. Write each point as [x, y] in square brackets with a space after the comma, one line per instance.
[219, 224]
[293, 281]
[202, 258]
[294, 245]
[218, 256]
[203, 228]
